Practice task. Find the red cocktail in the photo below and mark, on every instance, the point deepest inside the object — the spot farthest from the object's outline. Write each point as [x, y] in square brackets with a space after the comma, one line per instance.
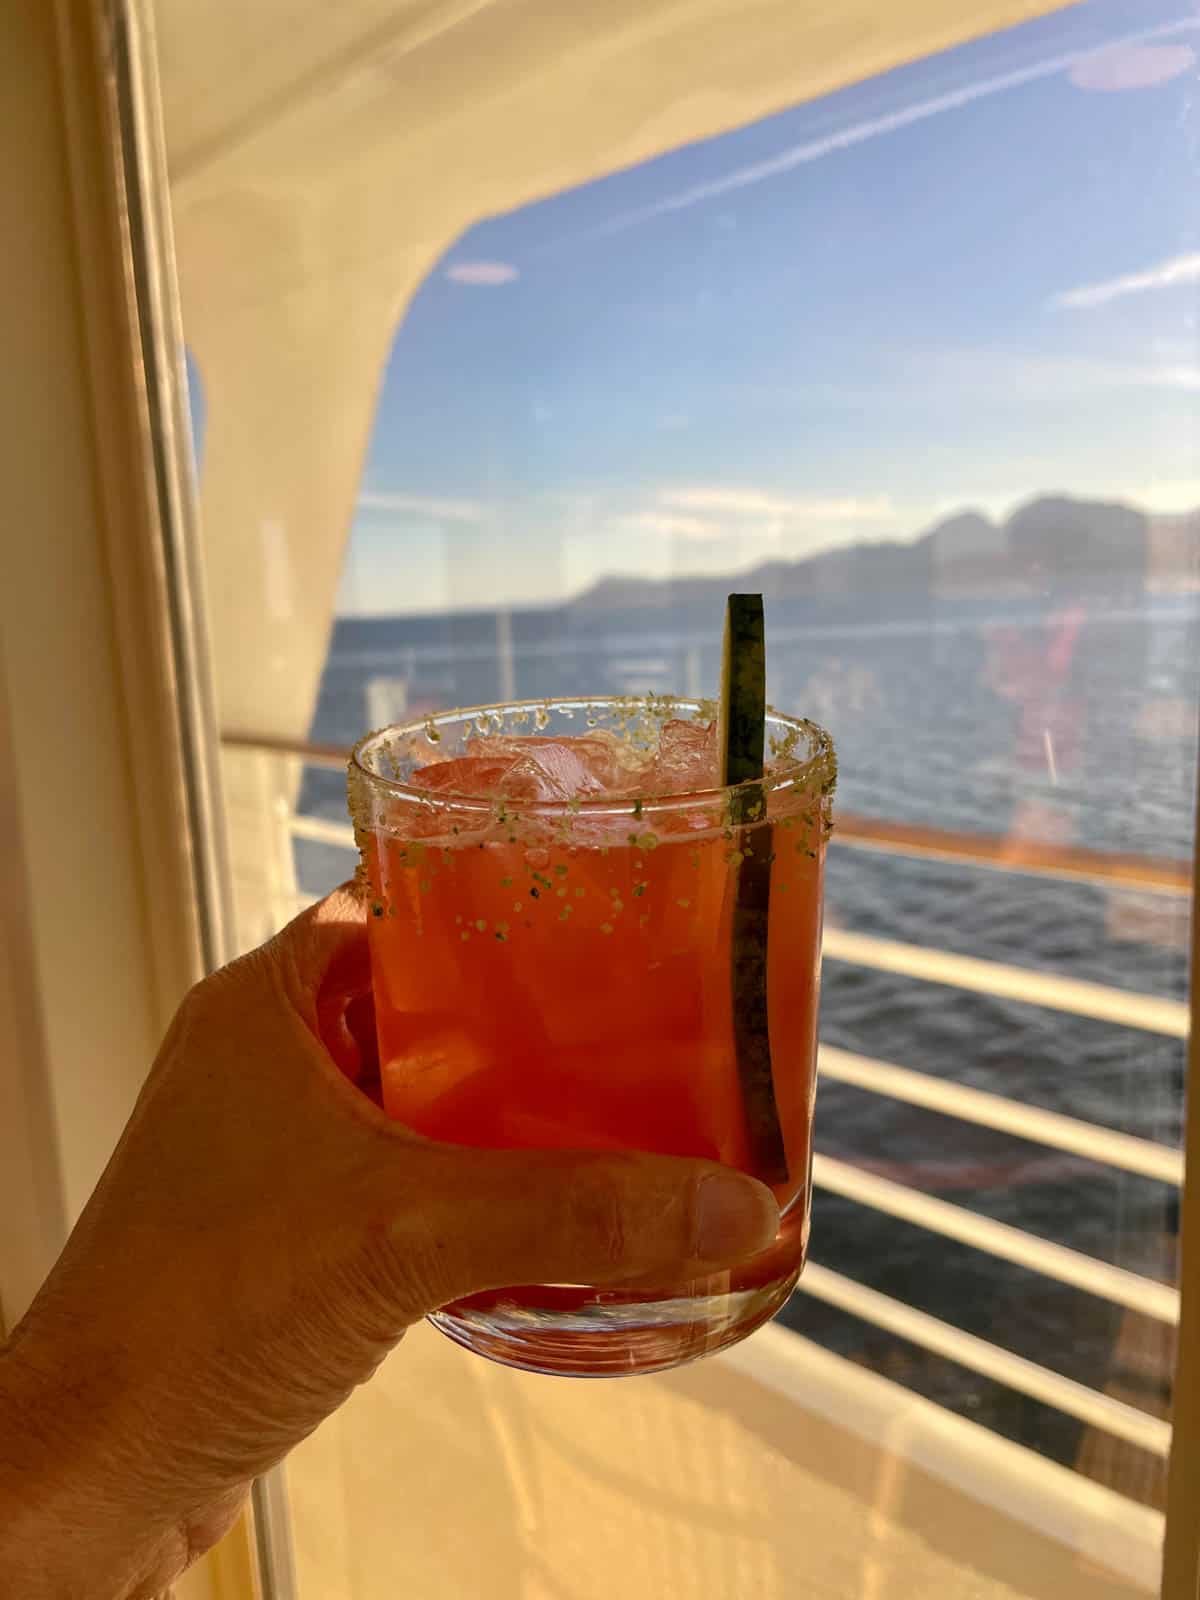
[555, 891]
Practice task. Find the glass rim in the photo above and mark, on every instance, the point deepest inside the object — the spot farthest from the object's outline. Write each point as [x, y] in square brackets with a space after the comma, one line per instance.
[820, 744]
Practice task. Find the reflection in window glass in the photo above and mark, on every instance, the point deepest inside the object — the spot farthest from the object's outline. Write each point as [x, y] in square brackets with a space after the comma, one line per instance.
[919, 361]
[197, 407]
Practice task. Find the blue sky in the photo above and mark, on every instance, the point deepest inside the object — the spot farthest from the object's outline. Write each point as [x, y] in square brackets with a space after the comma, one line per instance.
[962, 283]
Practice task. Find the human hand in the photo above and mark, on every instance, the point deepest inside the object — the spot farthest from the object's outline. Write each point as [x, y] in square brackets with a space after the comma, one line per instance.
[261, 1238]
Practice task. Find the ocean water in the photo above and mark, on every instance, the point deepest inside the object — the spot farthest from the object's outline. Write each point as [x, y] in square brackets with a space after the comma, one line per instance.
[1076, 723]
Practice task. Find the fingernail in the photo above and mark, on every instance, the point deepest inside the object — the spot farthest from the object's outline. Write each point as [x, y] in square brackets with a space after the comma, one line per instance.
[735, 1217]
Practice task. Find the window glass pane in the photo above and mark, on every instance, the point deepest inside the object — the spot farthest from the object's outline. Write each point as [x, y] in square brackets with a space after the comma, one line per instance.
[917, 359]
[934, 389]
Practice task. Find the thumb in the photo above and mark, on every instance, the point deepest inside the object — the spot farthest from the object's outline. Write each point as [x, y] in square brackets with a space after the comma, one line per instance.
[491, 1219]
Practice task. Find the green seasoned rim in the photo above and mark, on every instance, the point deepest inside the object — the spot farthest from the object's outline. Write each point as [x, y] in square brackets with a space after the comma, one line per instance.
[821, 763]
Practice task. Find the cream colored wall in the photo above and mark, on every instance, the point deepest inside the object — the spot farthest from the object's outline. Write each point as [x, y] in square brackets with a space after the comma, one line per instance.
[98, 928]
[78, 988]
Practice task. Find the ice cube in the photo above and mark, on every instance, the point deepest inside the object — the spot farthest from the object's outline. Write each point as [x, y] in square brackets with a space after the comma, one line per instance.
[498, 747]
[564, 768]
[619, 766]
[466, 775]
[554, 774]
[686, 760]
[550, 769]
[434, 1056]
[528, 1130]
[588, 766]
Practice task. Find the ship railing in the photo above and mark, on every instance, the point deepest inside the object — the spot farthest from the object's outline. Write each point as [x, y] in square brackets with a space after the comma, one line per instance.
[1091, 1141]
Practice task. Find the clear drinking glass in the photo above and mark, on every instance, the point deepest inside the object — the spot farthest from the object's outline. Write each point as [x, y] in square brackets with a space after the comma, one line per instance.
[602, 971]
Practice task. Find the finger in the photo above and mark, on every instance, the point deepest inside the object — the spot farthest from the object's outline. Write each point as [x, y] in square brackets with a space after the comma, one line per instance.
[345, 1010]
[489, 1219]
[324, 962]
[322, 932]
[356, 1023]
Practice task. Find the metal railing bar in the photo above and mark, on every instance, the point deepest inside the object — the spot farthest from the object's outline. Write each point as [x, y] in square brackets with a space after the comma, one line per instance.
[322, 831]
[312, 755]
[1152, 1013]
[1148, 1012]
[989, 1360]
[1154, 873]
[1087, 1139]
[1057, 1261]
[1002, 853]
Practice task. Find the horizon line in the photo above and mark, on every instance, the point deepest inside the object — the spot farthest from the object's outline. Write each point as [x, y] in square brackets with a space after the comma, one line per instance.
[486, 609]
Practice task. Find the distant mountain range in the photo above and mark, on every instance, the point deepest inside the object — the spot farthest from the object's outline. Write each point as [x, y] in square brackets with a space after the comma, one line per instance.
[1089, 546]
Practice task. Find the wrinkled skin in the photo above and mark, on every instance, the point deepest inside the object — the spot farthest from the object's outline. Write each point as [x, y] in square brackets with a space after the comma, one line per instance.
[260, 1240]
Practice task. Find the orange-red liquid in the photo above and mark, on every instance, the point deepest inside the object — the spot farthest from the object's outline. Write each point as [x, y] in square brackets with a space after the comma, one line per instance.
[565, 981]
[577, 996]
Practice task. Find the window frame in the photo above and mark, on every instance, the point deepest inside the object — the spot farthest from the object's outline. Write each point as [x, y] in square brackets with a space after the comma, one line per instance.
[108, 916]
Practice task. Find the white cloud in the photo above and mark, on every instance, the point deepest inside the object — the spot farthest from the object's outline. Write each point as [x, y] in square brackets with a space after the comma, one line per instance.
[735, 502]
[1178, 377]
[482, 274]
[1166, 496]
[415, 505]
[1132, 66]
[1015, 379]
[1163, 275]
[756, 503]
[858, 133]
[669, 526]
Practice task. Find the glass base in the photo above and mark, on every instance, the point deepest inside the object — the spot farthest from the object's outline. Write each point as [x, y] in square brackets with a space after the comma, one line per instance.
[612, 1333]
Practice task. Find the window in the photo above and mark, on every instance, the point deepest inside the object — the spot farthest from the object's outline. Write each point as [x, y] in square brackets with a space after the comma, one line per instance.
[915, 357]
